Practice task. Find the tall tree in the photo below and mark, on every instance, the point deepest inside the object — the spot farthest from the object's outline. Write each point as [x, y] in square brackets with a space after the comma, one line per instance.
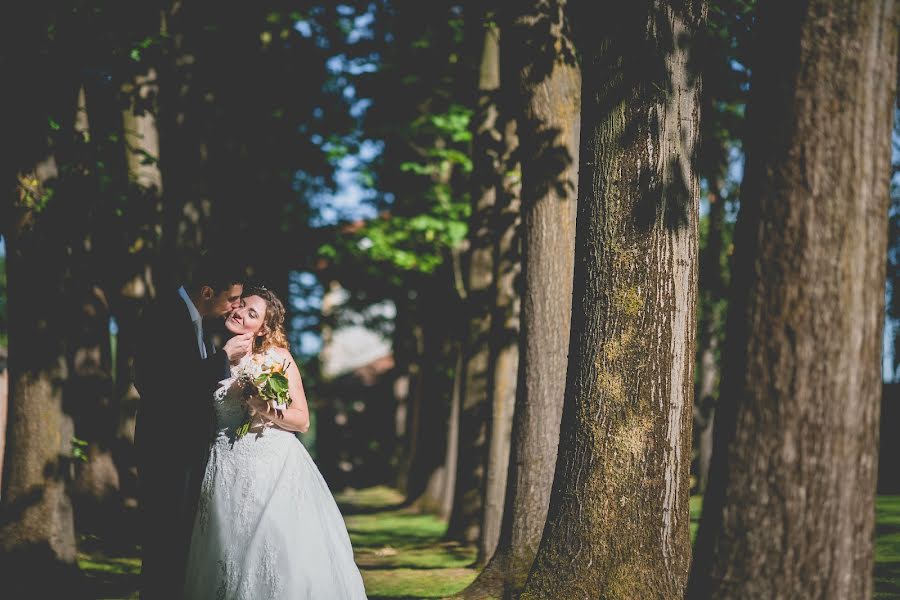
[802, 378]
[723, 99]
[414, 68]
[713, 237]
[474, 437]
[545, 97]
[617, 524]
[36, 524]
[504, 339]
[87, 393]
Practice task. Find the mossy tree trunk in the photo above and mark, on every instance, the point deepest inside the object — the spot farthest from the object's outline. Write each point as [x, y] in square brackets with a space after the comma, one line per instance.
[618, 520]
[790, 508]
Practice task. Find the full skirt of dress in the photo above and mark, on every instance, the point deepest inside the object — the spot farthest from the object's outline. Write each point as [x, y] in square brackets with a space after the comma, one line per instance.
[268, 527]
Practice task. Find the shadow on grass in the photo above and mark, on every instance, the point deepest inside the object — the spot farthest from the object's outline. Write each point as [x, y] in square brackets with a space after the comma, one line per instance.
[402, 556]
[400, 552]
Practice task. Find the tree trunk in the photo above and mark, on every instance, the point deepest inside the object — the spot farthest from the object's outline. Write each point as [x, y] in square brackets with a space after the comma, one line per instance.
[186, 207]
[617, 524]
[427, 466]
[790, 508]
[465, 520]
[89, 396]
[712, 291]
[134, 286]
[704, 407]
[504, 349]
[452, 454]
[37, 533]
[548, 130]
[4, 396]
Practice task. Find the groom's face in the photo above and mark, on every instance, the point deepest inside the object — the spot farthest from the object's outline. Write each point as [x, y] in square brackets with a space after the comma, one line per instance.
[220, 303]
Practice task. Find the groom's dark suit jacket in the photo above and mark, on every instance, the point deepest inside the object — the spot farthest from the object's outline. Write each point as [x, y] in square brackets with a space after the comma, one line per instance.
[172, 435]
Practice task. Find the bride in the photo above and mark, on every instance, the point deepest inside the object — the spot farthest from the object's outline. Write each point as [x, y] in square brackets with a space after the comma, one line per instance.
[267, 525]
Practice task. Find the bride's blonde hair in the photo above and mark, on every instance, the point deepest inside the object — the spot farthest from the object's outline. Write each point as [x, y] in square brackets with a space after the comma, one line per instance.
[273, 332]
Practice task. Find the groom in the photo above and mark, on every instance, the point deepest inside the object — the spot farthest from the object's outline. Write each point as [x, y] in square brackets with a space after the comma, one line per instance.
[176, 372]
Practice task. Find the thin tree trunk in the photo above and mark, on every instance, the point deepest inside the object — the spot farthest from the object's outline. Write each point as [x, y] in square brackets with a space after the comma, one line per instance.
[465, 520]
[186, 210]
[452, 454]
[134, 287]
[427, 464]
[548, 129]
[505, 350]
[618, 520]
[712, 290]
[705, 410]
[790, 508]
[434, 498]
[88, 392]
[4, 398]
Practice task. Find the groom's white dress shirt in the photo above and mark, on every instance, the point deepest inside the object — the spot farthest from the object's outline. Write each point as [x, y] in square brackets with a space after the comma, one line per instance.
[195, 318]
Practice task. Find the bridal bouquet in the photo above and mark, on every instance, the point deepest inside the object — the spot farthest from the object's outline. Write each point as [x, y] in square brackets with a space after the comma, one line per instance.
[265, 376]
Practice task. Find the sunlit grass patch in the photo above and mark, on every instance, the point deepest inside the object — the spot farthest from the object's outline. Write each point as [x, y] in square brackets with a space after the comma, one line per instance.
[400, 552]
[887, 547]
[110, 577]
[399, 584]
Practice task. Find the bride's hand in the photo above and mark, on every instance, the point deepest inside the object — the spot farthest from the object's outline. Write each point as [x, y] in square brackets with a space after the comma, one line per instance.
[259, 406]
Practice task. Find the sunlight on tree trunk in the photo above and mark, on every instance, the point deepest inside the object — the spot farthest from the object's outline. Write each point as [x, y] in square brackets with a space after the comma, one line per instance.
[618, 520]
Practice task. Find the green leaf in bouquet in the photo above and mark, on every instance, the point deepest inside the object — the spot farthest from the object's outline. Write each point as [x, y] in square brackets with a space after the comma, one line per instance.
[278, 383]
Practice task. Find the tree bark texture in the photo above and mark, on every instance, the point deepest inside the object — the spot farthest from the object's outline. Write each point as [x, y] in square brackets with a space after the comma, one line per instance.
[790, 508]
[618, 519]
[547, 100]
[504, 363]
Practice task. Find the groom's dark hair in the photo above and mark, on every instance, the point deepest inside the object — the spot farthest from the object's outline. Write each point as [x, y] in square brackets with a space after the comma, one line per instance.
[218, 270]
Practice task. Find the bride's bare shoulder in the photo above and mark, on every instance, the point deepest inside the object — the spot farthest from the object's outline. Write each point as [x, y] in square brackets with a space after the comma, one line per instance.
[282, 353]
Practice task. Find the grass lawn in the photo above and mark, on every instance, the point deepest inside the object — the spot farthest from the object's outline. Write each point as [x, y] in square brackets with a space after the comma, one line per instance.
[401, 555]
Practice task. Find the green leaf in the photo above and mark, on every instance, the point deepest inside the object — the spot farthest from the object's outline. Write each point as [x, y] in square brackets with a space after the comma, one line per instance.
[278, 383]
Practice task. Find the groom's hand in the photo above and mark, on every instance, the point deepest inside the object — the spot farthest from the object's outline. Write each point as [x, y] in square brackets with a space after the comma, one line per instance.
[238, 346]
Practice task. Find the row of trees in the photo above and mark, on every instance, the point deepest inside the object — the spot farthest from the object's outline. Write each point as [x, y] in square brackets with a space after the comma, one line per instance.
[811, 233]
[142, 136]
[138, 135]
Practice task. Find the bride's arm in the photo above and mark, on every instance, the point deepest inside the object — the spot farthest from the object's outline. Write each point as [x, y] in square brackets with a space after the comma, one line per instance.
[296, 416]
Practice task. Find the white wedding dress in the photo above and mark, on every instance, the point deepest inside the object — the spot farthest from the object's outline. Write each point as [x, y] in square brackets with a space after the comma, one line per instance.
[267, 525]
